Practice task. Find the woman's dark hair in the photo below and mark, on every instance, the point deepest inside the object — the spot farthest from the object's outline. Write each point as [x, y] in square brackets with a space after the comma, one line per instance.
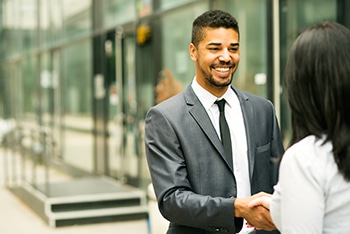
[212, 19]
[317, 81]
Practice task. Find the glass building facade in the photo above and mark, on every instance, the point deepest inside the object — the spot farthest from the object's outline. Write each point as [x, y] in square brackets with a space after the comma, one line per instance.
[88, 69]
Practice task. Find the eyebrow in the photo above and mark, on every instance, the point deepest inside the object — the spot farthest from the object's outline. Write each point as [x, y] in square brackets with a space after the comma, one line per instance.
[219, 44]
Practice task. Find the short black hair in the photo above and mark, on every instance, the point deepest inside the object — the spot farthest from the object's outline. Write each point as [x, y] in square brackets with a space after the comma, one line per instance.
[317, 82]
[212, 19]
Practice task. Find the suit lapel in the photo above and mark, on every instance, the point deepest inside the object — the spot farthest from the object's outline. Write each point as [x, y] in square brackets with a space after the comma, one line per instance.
[247, 111]
[200, 115]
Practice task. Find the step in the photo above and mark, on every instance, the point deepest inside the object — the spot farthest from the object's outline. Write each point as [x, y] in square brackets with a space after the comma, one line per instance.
[85, 200]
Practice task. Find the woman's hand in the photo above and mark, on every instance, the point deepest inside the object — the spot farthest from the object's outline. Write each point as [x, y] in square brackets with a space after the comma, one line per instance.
[261, 201]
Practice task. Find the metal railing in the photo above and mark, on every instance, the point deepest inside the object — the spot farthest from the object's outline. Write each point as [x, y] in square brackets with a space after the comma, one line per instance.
[27, 154]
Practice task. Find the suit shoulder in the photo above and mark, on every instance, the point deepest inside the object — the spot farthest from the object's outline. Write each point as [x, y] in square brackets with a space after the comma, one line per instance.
[171, 103]
[255, 98]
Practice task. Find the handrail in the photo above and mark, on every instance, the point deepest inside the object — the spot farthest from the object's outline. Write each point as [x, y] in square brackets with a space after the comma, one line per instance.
[23, 145]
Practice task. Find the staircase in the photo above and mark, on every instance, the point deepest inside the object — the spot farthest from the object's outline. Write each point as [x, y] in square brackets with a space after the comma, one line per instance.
[63, 201]
[85, 200]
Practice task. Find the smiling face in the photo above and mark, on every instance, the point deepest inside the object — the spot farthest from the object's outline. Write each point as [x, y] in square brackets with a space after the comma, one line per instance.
[216, 58]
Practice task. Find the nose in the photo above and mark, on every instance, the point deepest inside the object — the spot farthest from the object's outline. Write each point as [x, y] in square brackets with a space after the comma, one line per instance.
[225, 56]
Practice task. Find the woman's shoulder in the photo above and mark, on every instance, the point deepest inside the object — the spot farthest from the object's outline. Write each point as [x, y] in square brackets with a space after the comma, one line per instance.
[311, 145]
[312, 155]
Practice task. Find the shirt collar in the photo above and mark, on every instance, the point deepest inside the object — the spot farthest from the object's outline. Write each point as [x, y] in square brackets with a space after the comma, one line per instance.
[230, 97]
[207, 99]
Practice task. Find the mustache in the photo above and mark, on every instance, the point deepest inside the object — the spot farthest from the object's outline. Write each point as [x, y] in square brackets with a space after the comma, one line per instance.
[227, 64]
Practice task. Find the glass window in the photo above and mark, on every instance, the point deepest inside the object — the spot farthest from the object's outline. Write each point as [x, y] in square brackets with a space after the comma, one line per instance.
[164, 4]
[51, 22]
[116, 12]
[77, 104]
[9, 35]
[19, 23]
[56, 30]
[44, 24]
[144, 7]
[176, 38]
[28, 23]
[77, 73]
[7, 42]
[29, 95]
[7, 92]
[50, 18]
[46, 85]
[296, 16]
[77, 18]
[3, 94]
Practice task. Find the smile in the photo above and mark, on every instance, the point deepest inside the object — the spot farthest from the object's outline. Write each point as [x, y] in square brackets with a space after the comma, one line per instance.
[222, 69]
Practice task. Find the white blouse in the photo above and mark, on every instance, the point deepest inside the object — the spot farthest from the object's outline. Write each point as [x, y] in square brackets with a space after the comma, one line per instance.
[311, 195]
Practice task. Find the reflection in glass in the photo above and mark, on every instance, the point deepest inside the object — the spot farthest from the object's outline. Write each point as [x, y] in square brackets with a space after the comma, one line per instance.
[176, 31]
[117, 12]
[296, 16]
[78, 145]
[77, 18]
[29, 92]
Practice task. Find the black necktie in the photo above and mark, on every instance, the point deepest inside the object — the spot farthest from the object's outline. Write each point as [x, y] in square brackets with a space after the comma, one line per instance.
[225, 131]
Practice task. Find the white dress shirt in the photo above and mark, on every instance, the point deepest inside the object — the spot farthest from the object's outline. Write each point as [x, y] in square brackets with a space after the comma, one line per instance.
[311, 195]
[234, 117]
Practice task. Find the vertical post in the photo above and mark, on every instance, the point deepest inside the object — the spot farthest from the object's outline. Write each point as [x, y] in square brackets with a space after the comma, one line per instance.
[276, 58]
[48, 145]
[119, 85]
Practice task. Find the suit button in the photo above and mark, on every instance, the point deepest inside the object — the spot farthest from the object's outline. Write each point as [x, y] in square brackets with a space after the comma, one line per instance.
[219, 229]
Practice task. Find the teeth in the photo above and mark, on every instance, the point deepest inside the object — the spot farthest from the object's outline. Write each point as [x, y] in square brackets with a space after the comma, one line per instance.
[221, 69]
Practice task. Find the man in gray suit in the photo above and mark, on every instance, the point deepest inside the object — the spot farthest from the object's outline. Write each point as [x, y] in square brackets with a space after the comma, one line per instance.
[199, 189]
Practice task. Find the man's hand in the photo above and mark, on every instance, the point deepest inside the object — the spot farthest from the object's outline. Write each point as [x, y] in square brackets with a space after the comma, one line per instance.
[261, 201]
[256, 215]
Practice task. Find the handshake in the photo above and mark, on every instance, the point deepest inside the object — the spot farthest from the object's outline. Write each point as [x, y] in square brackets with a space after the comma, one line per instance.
[256, 210]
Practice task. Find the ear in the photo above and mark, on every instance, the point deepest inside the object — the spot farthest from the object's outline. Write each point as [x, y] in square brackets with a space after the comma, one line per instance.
[193, 52]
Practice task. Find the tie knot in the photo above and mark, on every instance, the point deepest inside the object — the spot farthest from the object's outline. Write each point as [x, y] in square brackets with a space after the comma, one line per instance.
[221, 104]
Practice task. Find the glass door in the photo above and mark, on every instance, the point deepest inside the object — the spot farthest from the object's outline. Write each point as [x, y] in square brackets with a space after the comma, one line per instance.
[123, 122]
[51, 98]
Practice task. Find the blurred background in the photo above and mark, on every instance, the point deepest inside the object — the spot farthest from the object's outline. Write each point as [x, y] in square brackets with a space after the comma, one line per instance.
[78, 76]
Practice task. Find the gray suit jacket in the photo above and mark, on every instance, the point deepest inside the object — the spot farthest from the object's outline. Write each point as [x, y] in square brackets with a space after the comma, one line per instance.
[194, 185]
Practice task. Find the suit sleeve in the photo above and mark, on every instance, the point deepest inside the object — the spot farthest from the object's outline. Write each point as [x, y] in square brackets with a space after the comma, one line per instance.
[176, 200]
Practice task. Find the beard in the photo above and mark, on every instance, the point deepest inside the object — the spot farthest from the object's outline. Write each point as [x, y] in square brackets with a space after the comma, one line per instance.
[209, 77]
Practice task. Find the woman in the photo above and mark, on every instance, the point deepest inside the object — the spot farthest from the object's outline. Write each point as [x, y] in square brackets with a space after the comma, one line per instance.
[313, 192]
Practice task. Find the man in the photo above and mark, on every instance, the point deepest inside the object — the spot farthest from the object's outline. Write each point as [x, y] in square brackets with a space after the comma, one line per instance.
[198, 189]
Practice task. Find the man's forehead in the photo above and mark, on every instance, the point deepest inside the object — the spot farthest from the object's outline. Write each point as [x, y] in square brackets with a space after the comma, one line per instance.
[218, 36]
